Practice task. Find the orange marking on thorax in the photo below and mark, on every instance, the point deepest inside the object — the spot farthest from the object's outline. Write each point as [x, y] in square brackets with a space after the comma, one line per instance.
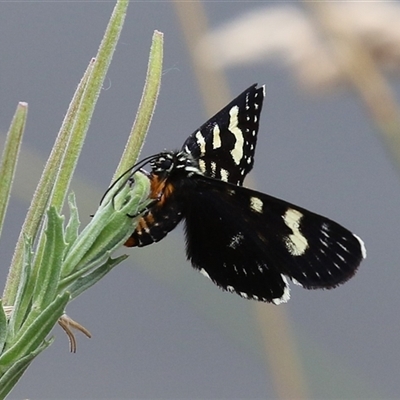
[160, 189]
[142, 225]
[131, 242]
[149, 218]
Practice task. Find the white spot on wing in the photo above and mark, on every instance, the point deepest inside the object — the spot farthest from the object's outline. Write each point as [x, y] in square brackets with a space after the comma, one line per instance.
[295, 243]
[216, 137]
[339, 256]
[325, 228]
[256, 204]
[236, 240]
[296, 282]
[204, 273]
[286, 293]
[344, 247]
[362, 246]
[213, 168]
[224, 175]
[237, 151]
[202, 166]
[192, 169]
[201, 142]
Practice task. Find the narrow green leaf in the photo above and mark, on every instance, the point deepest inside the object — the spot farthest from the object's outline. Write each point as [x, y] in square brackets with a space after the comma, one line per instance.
[14, 373]
[85, 240]
[10, 157]
[50, 269]
[3, 327]
[146, 107]
[19, 313]
[72, 228]
[41, 197]
[21, 307]
[109, 227]
[85, 282]
[74, 141]
[89, 100]
[35, 334]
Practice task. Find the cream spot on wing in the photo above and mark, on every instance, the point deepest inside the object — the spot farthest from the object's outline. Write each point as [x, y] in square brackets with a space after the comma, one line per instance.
[237, 151]
[204, 273]
[202, 166]
[213, 168]
[216, 137]
[236, 240]
[201, 142]
[362, 246]
[256, 204]
[286, 293]
[224, 175]
[296, 243]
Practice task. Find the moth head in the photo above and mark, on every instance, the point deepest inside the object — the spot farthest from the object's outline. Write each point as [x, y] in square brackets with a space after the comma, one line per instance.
[163, 163]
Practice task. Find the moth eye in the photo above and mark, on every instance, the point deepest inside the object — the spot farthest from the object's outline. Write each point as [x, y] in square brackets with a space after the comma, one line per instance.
[166, 164]
[162, 165]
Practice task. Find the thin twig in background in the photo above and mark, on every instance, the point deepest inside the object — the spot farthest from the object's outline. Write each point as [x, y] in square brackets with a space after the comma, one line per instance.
[363, 74]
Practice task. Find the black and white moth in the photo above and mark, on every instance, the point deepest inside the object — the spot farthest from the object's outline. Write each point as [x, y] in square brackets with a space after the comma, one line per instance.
[245, 241]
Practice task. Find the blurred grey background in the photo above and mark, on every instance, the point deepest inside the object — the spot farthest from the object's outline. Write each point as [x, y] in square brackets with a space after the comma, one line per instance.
[159, 329]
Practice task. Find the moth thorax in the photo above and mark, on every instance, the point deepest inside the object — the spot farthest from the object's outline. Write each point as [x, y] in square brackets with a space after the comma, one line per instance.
[172, 163]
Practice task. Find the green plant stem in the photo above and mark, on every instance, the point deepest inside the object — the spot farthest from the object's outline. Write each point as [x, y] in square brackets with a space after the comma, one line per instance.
[88, 101]
[146, 107]
[10, 157]
[41, 197]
